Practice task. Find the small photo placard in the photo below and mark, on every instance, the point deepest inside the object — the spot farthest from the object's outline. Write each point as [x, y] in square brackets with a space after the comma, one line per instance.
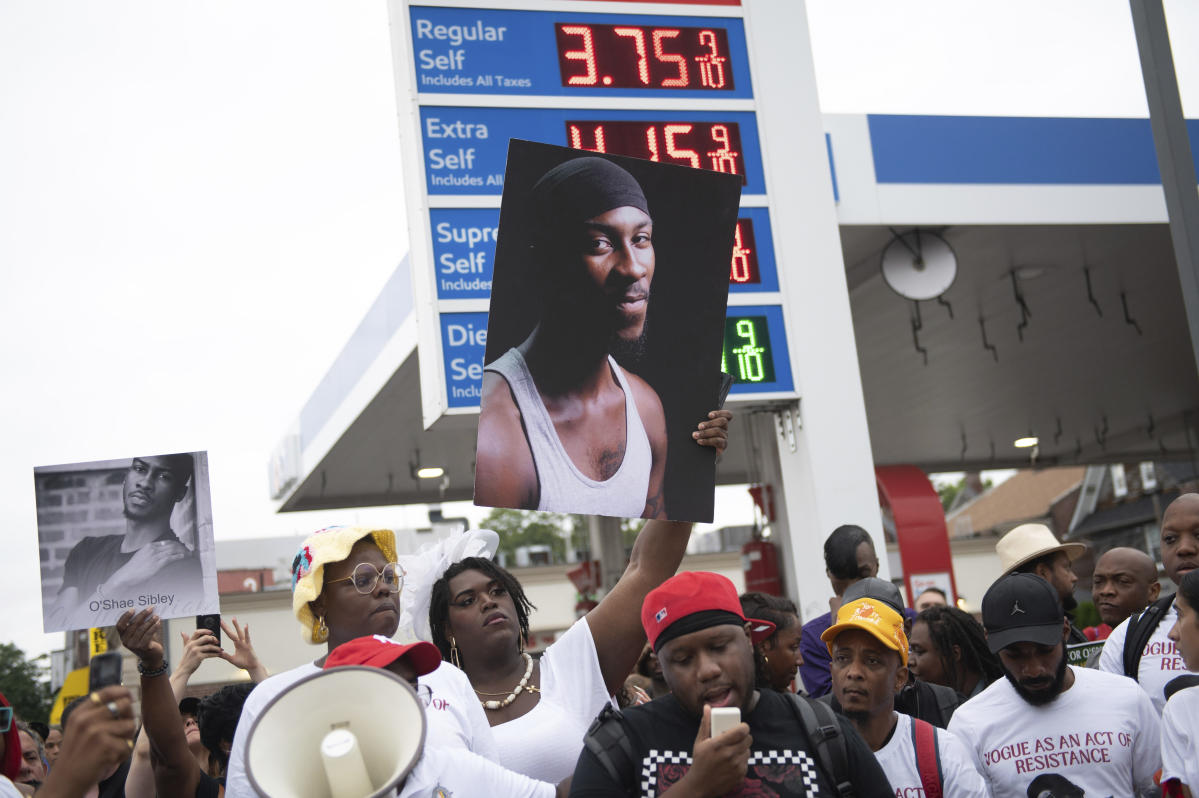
[125, 534]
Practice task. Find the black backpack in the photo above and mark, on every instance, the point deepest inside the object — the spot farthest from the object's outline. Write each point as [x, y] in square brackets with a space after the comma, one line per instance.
[609, 742]
[1140, 628]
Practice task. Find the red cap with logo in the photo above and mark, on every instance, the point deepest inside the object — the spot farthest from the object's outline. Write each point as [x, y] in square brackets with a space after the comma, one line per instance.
[378, 651]
[707, 599]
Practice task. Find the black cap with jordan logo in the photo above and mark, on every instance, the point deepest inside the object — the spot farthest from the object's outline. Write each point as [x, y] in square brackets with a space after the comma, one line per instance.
[1022, 608]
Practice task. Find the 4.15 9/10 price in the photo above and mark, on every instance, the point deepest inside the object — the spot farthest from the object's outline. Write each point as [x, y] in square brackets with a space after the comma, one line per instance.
[640, 57]
[702, 145]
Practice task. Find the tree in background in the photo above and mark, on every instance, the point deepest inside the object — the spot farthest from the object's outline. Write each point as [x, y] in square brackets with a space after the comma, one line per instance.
[518, 528]
[25, 683]
[951, 490]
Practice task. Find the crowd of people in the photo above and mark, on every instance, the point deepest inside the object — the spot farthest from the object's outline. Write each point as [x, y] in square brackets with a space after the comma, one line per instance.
[675, 684]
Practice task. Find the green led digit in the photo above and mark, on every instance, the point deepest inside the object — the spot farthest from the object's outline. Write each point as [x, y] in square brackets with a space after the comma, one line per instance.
[749, 354]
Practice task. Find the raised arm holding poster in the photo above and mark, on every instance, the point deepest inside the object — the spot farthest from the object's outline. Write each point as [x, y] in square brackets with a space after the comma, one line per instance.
[604, 336]
[125, 534]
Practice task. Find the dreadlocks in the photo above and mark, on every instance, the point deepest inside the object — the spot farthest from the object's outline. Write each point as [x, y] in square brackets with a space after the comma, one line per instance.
[439, 601]
[948, 627]
[779, 611]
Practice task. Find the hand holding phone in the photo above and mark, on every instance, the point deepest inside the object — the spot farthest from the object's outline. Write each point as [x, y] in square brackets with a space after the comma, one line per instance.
[212, 623]
[103, 670]
[724, 718]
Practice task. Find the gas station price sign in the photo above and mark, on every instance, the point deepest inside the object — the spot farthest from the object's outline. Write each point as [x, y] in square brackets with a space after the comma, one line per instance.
[494, 51]
[755, 350]
[672, 86]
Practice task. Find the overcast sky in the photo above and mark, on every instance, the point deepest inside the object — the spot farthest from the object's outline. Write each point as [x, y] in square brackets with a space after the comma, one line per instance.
[199, 201]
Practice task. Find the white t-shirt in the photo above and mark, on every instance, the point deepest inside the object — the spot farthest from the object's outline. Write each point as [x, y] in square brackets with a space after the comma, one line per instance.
[458, 774]
[544, 744]
[1161, 661]
[9, 790]
[1101, 735]
[455, 718]
[898, 760]
[1180, 738]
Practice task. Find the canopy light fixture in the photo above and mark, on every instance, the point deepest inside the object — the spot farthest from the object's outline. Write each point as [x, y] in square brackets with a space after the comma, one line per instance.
[1026, 443]
[430, 472]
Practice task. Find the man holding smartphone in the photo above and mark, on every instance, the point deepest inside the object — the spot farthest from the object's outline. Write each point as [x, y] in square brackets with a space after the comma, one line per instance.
[704, 643]
[149, 562]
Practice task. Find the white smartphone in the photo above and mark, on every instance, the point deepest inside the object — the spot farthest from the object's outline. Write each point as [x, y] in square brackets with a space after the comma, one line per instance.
[723, 719]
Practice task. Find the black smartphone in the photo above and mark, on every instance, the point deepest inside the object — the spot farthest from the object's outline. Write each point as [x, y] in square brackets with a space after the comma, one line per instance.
[103, 670]
[212, 623]
[726, 382]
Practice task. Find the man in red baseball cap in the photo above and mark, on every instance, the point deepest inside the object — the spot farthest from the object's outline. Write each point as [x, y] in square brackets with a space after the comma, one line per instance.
[705, 646]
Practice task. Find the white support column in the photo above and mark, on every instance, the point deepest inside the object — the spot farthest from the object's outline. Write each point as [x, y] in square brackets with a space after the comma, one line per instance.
[823, 459]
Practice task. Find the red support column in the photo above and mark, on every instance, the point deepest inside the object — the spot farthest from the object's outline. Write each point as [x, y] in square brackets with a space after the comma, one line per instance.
[919, 528]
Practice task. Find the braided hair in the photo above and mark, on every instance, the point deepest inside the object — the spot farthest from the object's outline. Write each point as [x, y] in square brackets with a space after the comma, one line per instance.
[948, 627]
[439, 600]
[779, 611]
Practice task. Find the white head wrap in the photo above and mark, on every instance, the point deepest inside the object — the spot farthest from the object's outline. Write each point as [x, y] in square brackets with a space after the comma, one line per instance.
[428, 565]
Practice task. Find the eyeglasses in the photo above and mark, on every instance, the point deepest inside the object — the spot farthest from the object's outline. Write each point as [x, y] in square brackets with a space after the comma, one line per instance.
[6, 719]
[366, 576]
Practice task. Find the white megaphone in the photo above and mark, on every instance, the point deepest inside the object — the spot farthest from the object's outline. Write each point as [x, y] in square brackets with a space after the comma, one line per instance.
[347, 732]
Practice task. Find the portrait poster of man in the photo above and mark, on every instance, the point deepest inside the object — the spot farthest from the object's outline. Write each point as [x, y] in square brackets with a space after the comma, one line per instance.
[604, 337]
[125, 534]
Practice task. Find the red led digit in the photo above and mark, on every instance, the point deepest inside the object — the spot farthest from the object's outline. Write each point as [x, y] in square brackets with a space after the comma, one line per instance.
[651, 140]
[586, 55]
[678, 152]
[740, 272]
[638, 37]
[724, 159]
[576, 139]
[711, 64]
[670, 58]
[619, 57]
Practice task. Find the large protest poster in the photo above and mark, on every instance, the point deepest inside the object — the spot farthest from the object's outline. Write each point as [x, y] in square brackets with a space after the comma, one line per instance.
[124, 534]
[604, 336]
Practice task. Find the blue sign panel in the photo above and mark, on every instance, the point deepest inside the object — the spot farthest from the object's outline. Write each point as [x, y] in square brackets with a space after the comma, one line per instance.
[484, 51]
[753, 267]
[755, 350]
[466, 148]
[463, 342]
[463, 251]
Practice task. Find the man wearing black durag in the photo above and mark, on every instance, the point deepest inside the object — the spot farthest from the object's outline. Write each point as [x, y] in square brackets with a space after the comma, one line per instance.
[563, 426]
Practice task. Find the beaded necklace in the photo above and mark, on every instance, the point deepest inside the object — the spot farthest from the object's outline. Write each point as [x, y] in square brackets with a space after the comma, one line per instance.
[521, 686]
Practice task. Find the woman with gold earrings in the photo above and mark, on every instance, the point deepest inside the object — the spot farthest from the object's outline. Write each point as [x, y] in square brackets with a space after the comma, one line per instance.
[346, 584]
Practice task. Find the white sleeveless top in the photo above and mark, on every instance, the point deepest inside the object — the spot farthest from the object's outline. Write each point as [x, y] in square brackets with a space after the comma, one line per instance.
[563, 487]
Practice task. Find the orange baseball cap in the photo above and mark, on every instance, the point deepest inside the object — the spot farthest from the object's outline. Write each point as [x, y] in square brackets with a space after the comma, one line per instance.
[875, 617]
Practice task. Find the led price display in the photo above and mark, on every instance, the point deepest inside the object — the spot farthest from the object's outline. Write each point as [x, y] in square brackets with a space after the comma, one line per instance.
[747, 354]
[702, 145]
[744, 267]
[641, 57]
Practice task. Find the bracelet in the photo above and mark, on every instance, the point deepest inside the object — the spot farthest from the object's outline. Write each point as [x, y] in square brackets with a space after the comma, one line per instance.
[149, 674]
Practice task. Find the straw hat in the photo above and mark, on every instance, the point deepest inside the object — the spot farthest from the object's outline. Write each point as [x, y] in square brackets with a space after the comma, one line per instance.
[1028, 542]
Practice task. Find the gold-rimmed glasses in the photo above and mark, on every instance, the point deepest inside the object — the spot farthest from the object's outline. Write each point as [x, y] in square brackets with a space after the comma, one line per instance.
[366, 576]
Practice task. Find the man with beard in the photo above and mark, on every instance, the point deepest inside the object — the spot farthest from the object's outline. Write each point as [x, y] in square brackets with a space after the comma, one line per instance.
[705, 645]
[102, 571]
[563, 426]
[1096, 729]
[1158, 661]
[1033, 549]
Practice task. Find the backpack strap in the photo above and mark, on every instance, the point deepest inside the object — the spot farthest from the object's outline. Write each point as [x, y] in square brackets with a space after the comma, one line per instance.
[928, 757]
[823, 730]
[609, 742]
[1140, 628]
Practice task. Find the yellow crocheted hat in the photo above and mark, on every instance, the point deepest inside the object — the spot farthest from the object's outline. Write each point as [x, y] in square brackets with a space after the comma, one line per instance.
[324, 547]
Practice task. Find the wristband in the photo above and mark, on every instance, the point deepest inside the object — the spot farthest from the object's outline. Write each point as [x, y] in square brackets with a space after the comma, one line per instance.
[149, 674]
